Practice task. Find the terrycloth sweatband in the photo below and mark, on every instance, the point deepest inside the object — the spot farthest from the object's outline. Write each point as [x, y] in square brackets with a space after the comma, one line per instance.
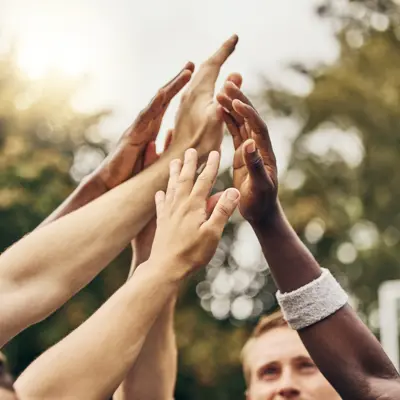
[313, 302]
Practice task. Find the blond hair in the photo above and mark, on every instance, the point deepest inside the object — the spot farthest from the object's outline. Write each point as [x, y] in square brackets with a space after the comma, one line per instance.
[265, 324]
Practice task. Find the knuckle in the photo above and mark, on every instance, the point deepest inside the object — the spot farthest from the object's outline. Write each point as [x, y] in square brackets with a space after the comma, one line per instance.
[224, 210]
[212, 232]
[205, 178]
[182, 179]
[257, 162]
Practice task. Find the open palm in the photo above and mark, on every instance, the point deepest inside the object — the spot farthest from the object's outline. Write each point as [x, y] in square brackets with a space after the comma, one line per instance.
[254, 163]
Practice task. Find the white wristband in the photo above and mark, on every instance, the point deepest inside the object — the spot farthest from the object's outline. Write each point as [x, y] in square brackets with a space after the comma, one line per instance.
[313, 302]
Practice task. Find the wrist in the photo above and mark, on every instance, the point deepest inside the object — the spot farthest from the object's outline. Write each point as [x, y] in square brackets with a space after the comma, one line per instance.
[173, 269]
[275, 219]
[92, 184]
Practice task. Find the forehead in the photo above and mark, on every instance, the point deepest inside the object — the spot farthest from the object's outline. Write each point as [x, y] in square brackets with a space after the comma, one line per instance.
[277, 345]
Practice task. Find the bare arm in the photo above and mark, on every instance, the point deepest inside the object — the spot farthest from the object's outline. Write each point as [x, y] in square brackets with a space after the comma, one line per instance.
[158, 357]
[51, 264]
[93, 360]
[341, 345]
[48, 266]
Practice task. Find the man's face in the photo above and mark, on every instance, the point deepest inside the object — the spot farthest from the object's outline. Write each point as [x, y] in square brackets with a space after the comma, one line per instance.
[281, 368]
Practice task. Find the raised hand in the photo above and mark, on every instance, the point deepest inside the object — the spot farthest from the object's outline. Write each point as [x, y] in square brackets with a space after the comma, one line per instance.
[186, 238]
[197, 123]
[254, 163]
[128, 157]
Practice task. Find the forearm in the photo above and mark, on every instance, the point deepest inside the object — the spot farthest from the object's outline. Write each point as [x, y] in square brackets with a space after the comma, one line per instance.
[158, 357]
[157, 360]
[92, 361]
[341, 345]
[51, 264]
[89, 189]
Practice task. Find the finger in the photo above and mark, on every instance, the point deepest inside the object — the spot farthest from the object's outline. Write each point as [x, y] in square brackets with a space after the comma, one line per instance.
[174, 171]
[255, 164]
[161, 100]
[212, 202]
[236, 78]
[177, 84]
[209, 70]
[231, 125]
[206, 179]
[222, 211]
[257, 125]
[188, 66]
[150, 155]
[168, 139]
[225, 101]
[234, 92]
[187, 175]
[222, 54]
[160, 201]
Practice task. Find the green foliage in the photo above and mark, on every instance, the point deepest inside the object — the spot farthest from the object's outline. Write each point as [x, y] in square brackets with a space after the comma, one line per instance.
[340, 191]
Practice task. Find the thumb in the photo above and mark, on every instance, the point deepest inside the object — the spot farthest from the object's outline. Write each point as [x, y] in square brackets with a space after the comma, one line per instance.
[254, 163]
[223, 210]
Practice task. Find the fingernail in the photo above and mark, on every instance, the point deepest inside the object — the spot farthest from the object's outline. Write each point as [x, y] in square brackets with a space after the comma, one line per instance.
[251, 147]
[232, 194]
[213, 156]
[189, 152]
[234, 37]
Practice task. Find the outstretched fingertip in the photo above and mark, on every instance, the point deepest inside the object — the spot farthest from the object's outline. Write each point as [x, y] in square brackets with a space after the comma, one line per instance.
[189, 66]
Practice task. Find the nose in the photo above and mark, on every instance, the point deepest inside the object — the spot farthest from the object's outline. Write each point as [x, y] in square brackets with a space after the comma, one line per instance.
[289, 393]
[288, 388]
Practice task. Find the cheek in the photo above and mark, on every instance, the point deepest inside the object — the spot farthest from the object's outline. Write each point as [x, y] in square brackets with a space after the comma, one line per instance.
[318, 387]
[261, 391]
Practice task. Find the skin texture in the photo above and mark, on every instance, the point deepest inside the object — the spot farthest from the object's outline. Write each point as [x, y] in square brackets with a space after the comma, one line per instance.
[51, 264]
[181, 214]
[46, 279]
[158, 356]
[281, 368]
[343, 348]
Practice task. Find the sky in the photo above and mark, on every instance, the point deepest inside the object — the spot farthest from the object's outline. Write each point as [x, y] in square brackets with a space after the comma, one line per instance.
[129, 48]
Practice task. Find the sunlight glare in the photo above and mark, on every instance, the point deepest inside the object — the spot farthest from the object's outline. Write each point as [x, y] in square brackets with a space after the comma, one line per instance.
[40, 53]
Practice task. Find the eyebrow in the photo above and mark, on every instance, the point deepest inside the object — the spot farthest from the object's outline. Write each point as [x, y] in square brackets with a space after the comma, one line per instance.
[303, 358]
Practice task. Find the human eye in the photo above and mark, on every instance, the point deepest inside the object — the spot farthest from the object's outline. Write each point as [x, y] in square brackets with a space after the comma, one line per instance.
[269, 372]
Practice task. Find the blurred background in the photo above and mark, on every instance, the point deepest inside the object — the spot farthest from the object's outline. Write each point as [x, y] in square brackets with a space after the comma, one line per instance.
[326, 76]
